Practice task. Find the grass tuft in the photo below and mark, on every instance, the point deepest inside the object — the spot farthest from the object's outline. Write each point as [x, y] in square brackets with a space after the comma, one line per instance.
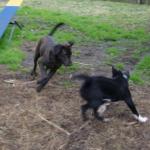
[71, 69]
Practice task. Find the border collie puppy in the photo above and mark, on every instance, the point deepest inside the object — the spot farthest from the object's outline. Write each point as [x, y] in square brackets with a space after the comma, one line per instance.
[99, 91]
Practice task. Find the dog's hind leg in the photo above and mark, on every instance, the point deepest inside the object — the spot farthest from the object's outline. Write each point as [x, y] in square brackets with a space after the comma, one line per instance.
[33, 72]
[36, 57]
[84, 108]
[45, 80]
[132, 107]
[102, 108]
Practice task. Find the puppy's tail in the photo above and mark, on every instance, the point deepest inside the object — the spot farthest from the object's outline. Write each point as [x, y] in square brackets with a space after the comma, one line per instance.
[55, 28]
[81, 77]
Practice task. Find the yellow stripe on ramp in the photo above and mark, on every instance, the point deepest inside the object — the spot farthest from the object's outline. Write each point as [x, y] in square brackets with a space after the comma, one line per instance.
[14, 2]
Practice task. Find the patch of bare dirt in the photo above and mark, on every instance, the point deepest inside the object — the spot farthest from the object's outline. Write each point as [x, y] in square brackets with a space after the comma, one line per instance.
[51, 120]
[29, 49]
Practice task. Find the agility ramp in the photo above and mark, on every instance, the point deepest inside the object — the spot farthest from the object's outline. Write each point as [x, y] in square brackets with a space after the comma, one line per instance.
[7, 13]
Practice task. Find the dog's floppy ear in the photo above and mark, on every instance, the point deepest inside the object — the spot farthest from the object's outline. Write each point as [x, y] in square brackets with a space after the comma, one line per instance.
[57, 49]
[69, 44]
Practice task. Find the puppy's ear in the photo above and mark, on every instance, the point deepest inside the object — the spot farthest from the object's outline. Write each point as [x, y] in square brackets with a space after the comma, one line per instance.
[57, 49]
[115, 72]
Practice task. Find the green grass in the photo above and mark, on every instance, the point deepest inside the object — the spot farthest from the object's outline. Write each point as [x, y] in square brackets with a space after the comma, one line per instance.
[144, 64]
[113, 52]
[76, 53]
[120, 66]
[67, 83]
[73, 68]
[142, 71]
[136, 78]
[143, 50]
[10, 53]
[90, 27]
[12, 57]
[143, 67]
[123, 25]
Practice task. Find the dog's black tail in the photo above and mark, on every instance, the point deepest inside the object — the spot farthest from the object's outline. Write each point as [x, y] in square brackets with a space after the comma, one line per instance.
[81, 77]
[55, 28]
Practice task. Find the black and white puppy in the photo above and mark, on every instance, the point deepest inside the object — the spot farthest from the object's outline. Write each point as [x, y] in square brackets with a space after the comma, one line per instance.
[99, 91]
[50, 57]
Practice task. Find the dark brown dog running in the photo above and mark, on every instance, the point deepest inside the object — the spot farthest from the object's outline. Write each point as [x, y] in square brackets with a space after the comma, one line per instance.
[50, 57]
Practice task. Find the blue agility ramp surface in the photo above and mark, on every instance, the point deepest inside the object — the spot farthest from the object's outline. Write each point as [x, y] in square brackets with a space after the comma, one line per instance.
[7, 13]
[5, 17]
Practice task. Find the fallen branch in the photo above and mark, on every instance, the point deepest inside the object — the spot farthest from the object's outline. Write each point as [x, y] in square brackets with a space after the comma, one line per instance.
[81, 127]
[10, 81]
[84, 125]
[54, 125]
[83, 63]
[95, 149]
[29, 82]
[14, 82]
[61, 147]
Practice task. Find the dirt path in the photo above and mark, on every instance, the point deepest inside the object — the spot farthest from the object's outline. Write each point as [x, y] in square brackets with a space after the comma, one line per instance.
[32, 121]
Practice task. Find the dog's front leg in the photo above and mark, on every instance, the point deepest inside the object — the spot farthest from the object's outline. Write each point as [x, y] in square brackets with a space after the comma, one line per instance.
[33, 72]
[132, 107]
[45, 80]
[97, 116]
[36, 57]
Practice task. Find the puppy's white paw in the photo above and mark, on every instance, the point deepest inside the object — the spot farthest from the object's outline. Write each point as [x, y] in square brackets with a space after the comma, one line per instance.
[107, 120]
[143, 119]
[140, 118]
